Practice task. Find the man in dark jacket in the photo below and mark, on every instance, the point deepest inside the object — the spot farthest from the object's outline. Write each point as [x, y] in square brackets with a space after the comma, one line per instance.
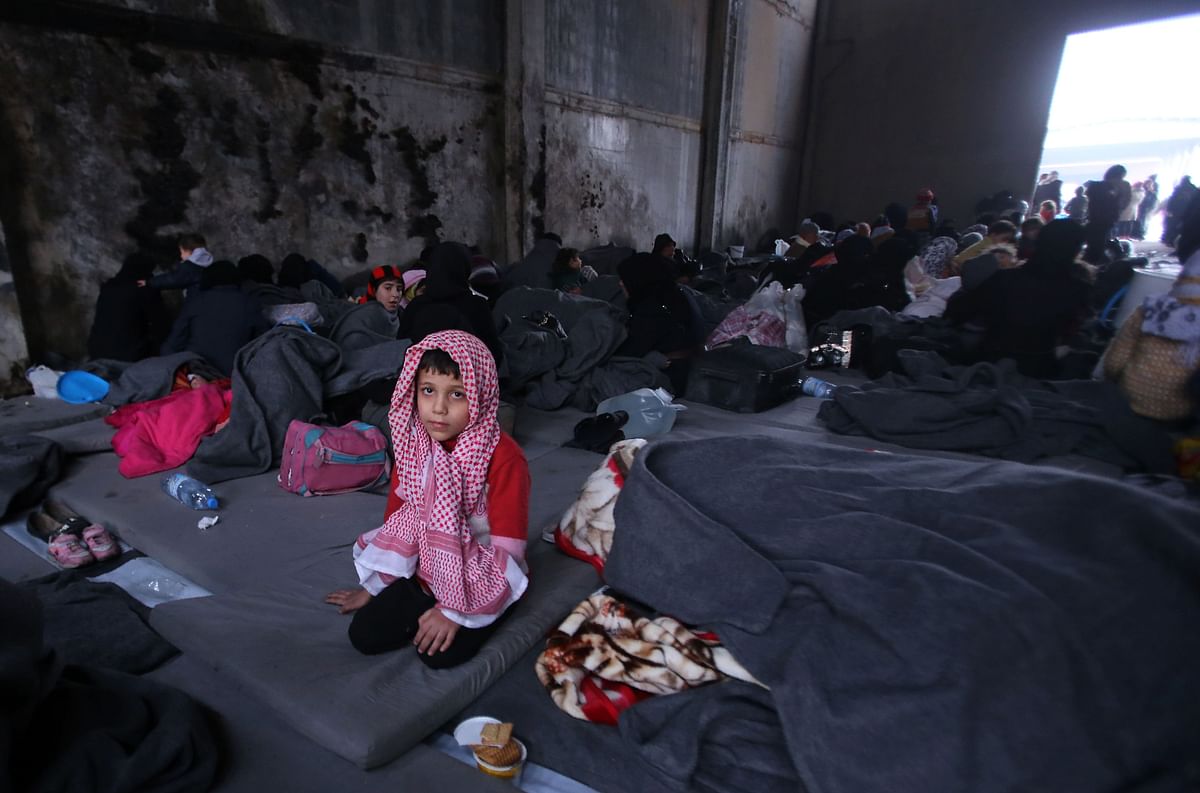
[218, 320]
[193, 259]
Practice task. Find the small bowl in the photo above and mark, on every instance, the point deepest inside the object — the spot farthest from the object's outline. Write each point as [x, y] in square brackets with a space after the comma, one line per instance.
[467, 733]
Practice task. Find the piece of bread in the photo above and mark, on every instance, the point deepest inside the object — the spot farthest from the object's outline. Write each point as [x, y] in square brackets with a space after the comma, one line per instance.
[495, 734]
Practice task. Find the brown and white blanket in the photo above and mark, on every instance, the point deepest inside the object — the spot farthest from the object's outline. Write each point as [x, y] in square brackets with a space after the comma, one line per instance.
[586, 528]
[604, 658]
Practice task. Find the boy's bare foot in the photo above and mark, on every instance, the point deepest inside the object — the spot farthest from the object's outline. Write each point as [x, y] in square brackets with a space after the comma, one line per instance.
[348, 600]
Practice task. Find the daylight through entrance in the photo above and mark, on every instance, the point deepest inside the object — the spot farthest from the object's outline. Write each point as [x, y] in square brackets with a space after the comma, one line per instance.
[1125, 96]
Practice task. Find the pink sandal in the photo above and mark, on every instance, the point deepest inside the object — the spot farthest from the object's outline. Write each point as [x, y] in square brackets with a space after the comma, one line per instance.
[69, 551]
[100, 542]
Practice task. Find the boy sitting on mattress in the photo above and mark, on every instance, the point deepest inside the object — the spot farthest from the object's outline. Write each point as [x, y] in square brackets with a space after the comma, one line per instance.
[449, 559]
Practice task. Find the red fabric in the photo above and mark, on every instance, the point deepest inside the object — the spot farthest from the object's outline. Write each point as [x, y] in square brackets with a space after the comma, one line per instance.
[603, 700]
[163, 433]
[507, 491]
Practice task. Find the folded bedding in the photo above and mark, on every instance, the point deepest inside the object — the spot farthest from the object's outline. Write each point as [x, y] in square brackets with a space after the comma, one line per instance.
[922, 623]
[991, 409]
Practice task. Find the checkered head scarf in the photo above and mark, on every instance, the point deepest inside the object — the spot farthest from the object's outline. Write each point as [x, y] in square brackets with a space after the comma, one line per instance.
[430, 534]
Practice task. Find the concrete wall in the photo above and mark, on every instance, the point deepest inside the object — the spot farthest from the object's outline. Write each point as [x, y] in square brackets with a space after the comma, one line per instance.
[126, 134]
[766, 142]
[945, 94]
[624, 96]
[357, 131]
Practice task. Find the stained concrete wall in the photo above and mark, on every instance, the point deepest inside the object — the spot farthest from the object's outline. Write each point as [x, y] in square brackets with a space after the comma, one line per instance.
[357, 131]
[945, 94]
[766, 141]
[624, 96]
[127, 130]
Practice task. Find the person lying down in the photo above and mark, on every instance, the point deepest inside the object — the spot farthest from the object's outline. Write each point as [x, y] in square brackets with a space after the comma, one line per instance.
[444, 569]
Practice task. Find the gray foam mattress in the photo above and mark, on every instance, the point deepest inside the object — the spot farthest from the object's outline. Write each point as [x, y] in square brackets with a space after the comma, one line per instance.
[288, 649]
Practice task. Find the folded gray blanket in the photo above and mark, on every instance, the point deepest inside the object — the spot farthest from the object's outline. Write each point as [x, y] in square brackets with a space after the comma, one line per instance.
[923, 624]
[149, 378]
[278, 377]
[991, 409]
[283, 375]
[577, 371]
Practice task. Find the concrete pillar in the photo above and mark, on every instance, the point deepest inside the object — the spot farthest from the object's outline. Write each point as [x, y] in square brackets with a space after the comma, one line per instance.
[524, 124]
[720, 83]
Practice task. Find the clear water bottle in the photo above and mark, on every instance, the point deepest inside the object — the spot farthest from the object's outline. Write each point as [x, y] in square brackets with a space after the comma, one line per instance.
[651, 411]
[816, 387]
[191, 492]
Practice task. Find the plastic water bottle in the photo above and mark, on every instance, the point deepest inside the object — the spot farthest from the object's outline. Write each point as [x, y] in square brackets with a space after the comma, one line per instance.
[816, 387]
[191, 492]
[651, 411]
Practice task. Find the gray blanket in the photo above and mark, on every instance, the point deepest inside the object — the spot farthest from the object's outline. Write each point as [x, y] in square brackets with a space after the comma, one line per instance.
[149, 378]
[364, 325]
[278, 377]
[284, 374]
[576, 371]
[29, 465]
[922, 624]
[993, 410]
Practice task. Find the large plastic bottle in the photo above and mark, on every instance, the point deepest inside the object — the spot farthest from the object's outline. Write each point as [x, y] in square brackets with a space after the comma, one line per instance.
[816, 387]
[191, 492]
[651, 411]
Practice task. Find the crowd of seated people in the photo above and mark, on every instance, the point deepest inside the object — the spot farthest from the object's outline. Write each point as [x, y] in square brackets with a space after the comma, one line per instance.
[1018, 278]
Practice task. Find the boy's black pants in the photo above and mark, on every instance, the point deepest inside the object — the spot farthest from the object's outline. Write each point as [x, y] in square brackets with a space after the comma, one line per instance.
[390, 621]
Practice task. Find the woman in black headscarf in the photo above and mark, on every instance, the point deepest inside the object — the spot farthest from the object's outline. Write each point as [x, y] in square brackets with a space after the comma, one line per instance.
[448, 302]
[829, 292]
[130, 323]
[219, 319]
[1028, 310]
[660, 317]
[883, 282]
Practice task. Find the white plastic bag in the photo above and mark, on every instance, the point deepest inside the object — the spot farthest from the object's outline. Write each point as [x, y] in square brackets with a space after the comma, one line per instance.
[793, 310]
[44, 381]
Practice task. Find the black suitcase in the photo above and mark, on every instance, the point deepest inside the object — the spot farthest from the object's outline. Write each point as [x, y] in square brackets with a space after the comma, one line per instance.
[744, 377]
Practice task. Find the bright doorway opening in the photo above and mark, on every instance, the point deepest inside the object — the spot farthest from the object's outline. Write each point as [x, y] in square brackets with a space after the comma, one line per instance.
[1127, 96]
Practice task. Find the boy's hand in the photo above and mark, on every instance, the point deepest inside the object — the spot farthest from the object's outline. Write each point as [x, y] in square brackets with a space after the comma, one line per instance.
[141, 282]
[435, 632]
[349, 600]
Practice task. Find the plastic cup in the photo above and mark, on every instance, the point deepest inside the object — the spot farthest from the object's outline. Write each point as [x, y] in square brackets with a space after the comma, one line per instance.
[503, 771]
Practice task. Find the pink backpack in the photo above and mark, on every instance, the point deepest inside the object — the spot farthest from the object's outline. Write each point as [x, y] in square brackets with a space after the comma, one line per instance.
[323, 461]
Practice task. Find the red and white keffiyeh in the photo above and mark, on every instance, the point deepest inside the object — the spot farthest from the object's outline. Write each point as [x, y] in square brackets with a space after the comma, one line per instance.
[444, 492]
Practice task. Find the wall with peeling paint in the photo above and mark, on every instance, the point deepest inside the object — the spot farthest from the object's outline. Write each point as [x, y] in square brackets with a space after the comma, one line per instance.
[766, 142]
[624, 97]
[357, 131]
[126, 144]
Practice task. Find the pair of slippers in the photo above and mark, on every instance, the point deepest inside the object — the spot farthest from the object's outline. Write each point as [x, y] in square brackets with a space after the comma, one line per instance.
[72, 540]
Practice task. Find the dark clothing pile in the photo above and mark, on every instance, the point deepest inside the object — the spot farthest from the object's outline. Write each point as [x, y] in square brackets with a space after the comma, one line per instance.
[829, 292]
[448, 302]
[65, 727]
[215, 323]
[131, 322]
[660, 317]
[981, 625]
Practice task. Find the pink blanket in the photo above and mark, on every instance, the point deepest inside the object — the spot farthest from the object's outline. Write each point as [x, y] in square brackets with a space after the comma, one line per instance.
[163, 433]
